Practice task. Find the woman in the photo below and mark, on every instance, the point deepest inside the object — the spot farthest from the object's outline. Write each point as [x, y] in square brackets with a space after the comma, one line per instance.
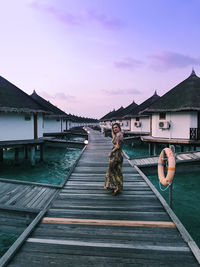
[114, 177]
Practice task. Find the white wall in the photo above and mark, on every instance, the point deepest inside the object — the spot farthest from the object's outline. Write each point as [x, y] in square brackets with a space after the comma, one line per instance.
[51, 125]
[145, 125]
[13, 126]
[126, 125]
[180, 124]
[40, 125]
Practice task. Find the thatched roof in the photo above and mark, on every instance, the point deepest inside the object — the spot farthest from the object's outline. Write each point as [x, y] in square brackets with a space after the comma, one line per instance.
[183, 97]
[137, 110]
[117, 114]
[56, 112]
[130, 108]
[107, 116]
[13, 99]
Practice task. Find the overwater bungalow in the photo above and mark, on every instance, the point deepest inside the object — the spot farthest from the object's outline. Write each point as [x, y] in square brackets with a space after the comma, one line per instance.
[140, 123]
[175, 117]
[122, 120]
[105, 122]
[21, 118]
[57, 121]
[117, 116]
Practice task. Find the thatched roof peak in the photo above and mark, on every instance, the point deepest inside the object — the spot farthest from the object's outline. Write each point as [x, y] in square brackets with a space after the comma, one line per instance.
[183, 97]
[13, 99]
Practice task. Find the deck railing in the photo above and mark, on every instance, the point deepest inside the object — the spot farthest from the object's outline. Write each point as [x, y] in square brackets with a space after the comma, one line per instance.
[194, 133]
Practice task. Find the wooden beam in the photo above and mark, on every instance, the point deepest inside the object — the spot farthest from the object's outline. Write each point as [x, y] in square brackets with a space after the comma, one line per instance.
[109, 222]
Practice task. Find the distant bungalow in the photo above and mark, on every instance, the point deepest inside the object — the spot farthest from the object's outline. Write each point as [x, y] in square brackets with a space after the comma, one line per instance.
[140, 123]
[117, 116]
[21, 118]
[175, 117]
[57, 121]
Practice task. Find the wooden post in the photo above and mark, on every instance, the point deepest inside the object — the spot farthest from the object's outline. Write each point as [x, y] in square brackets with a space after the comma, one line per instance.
[150, 149]
[1, 154]
[32, 156]
[182, 148]
[41, 152]
[25, 152]
[155, 149]
[16, 156]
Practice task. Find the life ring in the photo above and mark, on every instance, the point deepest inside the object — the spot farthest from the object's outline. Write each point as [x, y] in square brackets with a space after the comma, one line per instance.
[171, 167]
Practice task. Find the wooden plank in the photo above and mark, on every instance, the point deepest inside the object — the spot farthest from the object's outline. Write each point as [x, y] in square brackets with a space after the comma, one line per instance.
[106, 245]
[179, 225]
[109, 222]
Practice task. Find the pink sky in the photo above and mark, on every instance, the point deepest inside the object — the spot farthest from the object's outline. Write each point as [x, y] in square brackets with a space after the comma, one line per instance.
[90, 56]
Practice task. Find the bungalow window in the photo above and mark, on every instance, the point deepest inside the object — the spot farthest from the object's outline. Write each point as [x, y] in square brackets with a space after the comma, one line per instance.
[162, 116]
[137, 119]
[127, 123]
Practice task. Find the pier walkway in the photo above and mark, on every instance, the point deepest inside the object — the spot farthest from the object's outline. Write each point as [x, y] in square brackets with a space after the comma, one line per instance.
[86, 226]
[153, 160]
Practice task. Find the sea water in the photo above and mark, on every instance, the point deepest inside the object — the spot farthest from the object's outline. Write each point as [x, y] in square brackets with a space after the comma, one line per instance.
[186, 196]
[53, 170]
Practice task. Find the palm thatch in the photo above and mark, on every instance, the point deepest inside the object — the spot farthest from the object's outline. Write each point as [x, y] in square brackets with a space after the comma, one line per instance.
[56, 112]
[183, 97]
[13, 99]
[137, 110]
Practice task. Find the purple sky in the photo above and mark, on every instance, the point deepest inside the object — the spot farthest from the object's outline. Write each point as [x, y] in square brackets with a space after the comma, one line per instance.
[90, 56]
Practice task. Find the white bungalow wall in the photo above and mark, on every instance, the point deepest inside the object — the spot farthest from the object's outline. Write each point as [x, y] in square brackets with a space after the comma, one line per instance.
[13, 126]
[180, 124]
[40, 125]
[126, 125]
[52, 125]
[145, 125]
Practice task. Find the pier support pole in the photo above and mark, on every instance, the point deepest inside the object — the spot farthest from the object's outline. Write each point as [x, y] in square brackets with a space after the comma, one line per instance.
[155, 150]
[150, 149]
[170, 195]
[41, 152]
[32, 156]
[16, 156]
[25, 152]
[182, 148]
[1, 155]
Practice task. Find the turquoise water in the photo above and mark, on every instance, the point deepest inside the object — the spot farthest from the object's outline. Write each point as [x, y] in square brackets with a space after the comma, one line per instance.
[186, 200]
[55, 167]
[6, 240]
[186, 196]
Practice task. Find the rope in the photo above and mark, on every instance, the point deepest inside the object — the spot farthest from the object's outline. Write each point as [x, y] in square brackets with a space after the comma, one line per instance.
[165, 187]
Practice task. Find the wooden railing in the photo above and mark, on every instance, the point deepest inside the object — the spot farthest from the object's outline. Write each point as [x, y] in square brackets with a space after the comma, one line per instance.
[194, 134]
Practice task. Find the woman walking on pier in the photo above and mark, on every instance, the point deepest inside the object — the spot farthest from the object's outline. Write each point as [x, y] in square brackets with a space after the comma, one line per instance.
[114, 177]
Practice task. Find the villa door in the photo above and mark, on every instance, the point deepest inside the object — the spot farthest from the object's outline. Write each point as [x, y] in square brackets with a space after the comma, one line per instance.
[35, 126]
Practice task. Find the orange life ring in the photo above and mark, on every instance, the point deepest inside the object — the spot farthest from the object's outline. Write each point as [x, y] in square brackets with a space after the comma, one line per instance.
[171, 167]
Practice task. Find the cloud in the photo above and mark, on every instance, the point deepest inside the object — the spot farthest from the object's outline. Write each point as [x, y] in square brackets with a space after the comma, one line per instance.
[105, 21]
[68, 18]
[59, 96]
[128, 63]
[121, 92]
[164, 60]
[64, 17]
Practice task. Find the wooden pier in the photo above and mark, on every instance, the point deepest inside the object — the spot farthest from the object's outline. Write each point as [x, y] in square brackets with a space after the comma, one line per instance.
[186, 157]
[86, 226]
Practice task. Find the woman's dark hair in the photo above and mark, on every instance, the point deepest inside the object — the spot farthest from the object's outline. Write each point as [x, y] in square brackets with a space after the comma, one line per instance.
[118, 125]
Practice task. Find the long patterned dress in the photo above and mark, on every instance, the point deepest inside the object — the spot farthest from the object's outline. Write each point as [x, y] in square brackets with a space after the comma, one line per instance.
[114, 177]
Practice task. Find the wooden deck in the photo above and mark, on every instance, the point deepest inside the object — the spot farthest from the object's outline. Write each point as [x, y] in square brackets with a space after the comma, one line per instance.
[153, 160]
[87, 226]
